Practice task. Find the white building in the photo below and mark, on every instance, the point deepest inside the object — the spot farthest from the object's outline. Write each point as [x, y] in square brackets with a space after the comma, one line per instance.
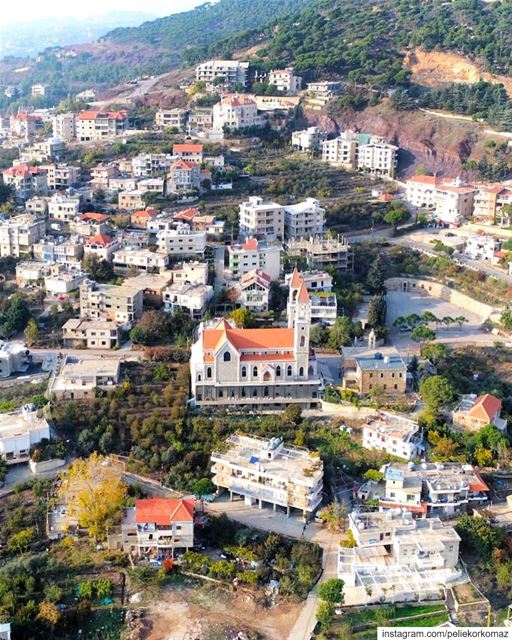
[285, 80]
[100, 125]
[38, 90]
[63, 250]
[102, 246]
[325, 89]
[119, 303]
[309, 139]
[174, 118]
[30, 272]
[181, 241]
[265, 471]
[14, 358]
[233, 71]
[324, 304]
[252, 255]
[363, 152]
[482, 247]
[190, 272]
[261, 219]
[393, 434]
[192, 299]
[304, 219]
[19, 431]
[140, 259]
[322, 252]
[19, 234]
[60, 176]
[490, 204]
[450, 199]
[63, 208]
[235, 112]
[5, 631]
[90, 334]
[254, 291]
[27, 181]
[64, 126]
[64, 281]
[149, 165]
[257, 368]
[397, 558]
[79, 378]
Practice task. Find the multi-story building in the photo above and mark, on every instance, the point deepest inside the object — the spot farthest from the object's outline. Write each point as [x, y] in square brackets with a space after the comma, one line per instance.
[474, 412]
[19, 431]
[341, 151]
[119, 303]
[235, 112]
[44, 151]
[25, 125]
[63, 208]
[131, 200]
[252, 255]
[367, 370]
[60, 176]
[324, 304]
[90, 334]
[14, 358]
[325, 88]
[30, 272]
[64, 126]
[139, 259]
[285, 80]
[19, 234]
[181, 241]
[420, 191]
[189, 152]
[257, 367]
[101, 245]
[490, 204]
[201, 119]
[174, 118]
[453, 202]
[254, 291]
[149, 165]
[183, 176]
[361, 151]
[480, 247]
[321, 252]
[309, 139]
[158, 526]
[265, 471]
[232, 71]
[62, 281]
[152, 185]
[38, 90]
[100, 125]
[27, 181]
[80, 378]
[304, 219]
[140, 219]
[192, 299]
[393, 434]
[398, 558]
[315, 280]
[190, 272]
[261, 219]
[90, 224]
[38, 205]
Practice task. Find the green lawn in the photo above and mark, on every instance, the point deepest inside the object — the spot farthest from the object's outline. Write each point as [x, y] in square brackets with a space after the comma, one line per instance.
[105, 623]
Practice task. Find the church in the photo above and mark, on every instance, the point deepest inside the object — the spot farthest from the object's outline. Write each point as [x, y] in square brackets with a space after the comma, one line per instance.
[258, 368]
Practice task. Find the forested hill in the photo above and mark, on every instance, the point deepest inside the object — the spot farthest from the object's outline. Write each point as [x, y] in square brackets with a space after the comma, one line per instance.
[207, 23]
[364, 40]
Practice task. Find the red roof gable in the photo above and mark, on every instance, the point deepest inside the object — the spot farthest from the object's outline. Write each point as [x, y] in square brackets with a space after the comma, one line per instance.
[187, 214]
[101, 239]
[183, 164]
[97, 217]
[187, 148]
[164, 510]
[485, 407]
[250, 245]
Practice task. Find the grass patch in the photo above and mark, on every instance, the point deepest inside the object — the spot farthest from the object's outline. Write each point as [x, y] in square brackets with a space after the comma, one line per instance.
[105, 623]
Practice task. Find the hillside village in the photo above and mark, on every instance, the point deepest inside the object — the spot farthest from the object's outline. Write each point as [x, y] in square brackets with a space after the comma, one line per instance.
[255, 367]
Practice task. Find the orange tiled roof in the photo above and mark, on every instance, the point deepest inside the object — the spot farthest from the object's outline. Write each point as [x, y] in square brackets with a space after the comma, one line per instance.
[187, 214]
[248, 338]
[145, 213]
[101, 238]
[21, 171]
[478, 484]
[485, 407]
[250, 245]
[187, 148]
[296, 279]
[182, 164]
[303, 293]
[164, 510]
[93, 115]
[433, 180]
[385, 197]
[91, 215]
[254, 357]
[238, 101]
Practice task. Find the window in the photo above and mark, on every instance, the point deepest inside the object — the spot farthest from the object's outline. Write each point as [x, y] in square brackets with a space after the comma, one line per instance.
[209, 372]
[303, 341]
[227, 357]
[255, 372]
[289, 370]
[278, 371]
[244, 372]
[199, 377]
[301, 371]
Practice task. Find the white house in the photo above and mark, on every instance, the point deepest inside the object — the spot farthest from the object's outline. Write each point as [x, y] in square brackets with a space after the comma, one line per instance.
[19, 431]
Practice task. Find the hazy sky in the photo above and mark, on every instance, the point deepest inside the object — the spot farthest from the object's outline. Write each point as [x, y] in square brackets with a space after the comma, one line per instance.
[11, 12]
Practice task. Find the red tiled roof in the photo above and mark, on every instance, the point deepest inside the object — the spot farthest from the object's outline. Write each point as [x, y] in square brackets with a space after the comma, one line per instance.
[296, 279]
[250, 245]
[145, 213]
[164, 511]
[433, 180]
[385, 197]
[187, 148]
[249, 357]
[183, 164]
[238, 101]
[249, 338]
[91, 215]
[478, 484]
[485, 407]
[303, 293]
[187, 214]
[22, 171]
[93, 115]
[101, 238]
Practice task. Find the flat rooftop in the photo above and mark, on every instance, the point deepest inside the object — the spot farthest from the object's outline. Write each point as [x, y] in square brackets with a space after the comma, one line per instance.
[20, 422]
[288, 463]
[443, 476]
[422, 531]
[391, 425]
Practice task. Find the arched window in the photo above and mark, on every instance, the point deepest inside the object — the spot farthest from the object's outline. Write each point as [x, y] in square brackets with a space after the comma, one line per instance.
[255, 372]
[199, 377]
[301, 372]
[254, 393]
[294, 295]
[209, 372]
[267, 376]
[243, 392]
[265, 391]
[303, 341]
[289, 370]
[278, 371]
[227, 357]
[310, 371]
[244, 372]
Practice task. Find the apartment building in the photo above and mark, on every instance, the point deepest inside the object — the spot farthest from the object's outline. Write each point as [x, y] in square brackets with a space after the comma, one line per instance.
[100, 125]
[310, 139]
[254, 291]
[80, 378]
[324, 304]
[19, 234]
[201, 119]
[152, 185]
[184, 176]
[19, 431]
[341, 151]
[490, 204]
[102, 246]
[480, 247]
[191, 299]
[267, 472]
[140, 259]
[397, 558]
[453, 202]
[361, 151]
[321, 252]
[235, 112]
[63, 208]
[38, 90]
[119, 303]
[253, 254]
[191, 272]
[60, 176]
[38, 205]
[325, 88]
[14, 358]
[257, 368]
[158, 526]
[474, 412]
[43, 151]
[64, 280]
[64, 126]
[25, 125]
[173, 118]
[420, 191]
[27, 181]
[131, 200]
[181, 241]
[285, 80]
[366, 370]
[30, 272]
[189, 152]
[393, 434]
[149, 165]
[232, 71]
[90, 334]
[315, 280]
[90, 224]
[304, 219]
[261, 219]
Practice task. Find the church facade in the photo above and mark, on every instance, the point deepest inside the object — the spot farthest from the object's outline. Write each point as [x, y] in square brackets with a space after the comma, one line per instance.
[258, 368]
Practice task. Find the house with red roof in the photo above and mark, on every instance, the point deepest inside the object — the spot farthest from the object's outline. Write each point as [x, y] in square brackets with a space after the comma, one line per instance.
[258, 368]
[189, 152]
[139, 219]
[27, 181]
[474, 412]
[101, 245]
[100, 125]
[235, 112]
[254, 254]
[183, 176]
[159, 526]
[451, 199]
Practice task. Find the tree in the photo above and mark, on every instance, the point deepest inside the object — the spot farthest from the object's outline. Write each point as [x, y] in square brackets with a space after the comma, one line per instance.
[480, 536]
[331, 591]
[99, 270]
[318, 334]
[32, 333]
[325, 614]
[203, 488]
[334, 515]
[435, 353]
[396, 215]
[506, 319]
[94, 493]
[375, 277]
[151, 327]
[16, 317]
[377, 311]
[437, 392]
[340, 333]
[3, 470]
[243, 318]
[48, 613]
[423, 335]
